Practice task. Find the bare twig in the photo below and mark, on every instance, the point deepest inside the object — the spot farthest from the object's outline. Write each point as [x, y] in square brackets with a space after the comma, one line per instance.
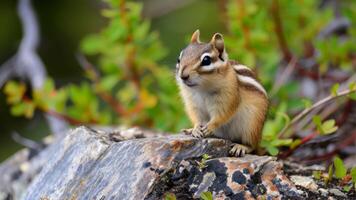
[306, 111]
[105, 96]
[88, 67]
[26, 64]
[325, 111]
[303, 141]
[337, 25]
[95, 77]
[27, 142]
[342, 144]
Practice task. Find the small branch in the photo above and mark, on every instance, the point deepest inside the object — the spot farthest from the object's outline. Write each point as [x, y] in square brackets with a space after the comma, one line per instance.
[69, 119]
[278, 27]
[88, 67]
[95, 77]
[105, 96]
[308, 110]
[303, 141]
[59, 116]
[347, 141]
[27, 142]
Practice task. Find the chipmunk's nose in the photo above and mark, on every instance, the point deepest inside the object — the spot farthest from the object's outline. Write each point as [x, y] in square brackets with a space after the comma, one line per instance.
[184, 77]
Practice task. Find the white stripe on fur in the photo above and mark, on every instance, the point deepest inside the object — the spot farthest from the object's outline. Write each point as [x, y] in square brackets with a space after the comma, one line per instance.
[180, 55]
[251, 81]
[241, 67]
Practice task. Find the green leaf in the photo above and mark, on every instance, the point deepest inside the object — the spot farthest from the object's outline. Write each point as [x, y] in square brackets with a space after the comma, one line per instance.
[48, 86]
[284, 116]
[347, 188]
[317, 123]
[108, 82]
[353, 174]
[334, 89]
[14, 91]
[307, 103]
[352, 86]
[24, 108]
[281, 142]
[272, 150]
[295, 143]
[170, 196]
[317, 175]
[206, 195]
[317, 120]
[206, 156]
[328, 127]
[92, 44]
[340, 169]
[352, 96]
[330, 174]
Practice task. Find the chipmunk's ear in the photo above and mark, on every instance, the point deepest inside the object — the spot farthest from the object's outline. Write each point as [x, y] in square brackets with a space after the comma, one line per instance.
[218, 42]
[195, 37]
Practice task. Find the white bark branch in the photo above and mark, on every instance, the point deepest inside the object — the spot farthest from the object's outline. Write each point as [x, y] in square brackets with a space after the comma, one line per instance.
[26, 63]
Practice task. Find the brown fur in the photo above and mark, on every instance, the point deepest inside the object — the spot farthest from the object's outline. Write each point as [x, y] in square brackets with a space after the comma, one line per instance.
[229, 108]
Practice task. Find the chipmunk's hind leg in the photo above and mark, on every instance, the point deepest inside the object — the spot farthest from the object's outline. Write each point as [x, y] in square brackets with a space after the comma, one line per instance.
[239, 150]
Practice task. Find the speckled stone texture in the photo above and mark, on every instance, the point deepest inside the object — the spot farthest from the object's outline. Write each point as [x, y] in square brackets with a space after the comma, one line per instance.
[249, 177]
[135, 164]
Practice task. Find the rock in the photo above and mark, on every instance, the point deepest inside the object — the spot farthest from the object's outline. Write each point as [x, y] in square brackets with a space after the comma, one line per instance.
[228, 177]
[17, 172]
[88, 165]
[137, 164]
[337, 192]
[323, 192]
[304, 181]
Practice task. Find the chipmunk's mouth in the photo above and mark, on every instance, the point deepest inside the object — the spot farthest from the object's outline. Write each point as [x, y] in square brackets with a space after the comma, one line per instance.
[189, 83]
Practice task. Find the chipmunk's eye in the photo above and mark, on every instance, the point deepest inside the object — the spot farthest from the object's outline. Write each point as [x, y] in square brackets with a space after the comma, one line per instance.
[178, 60]
[206, 61]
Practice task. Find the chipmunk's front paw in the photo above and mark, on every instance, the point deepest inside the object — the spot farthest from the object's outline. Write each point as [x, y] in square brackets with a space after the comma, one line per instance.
[201, 131]
[187, 131]
[239, 150]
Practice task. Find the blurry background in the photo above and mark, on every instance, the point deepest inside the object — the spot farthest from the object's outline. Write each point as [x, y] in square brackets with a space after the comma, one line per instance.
[65, 23]
[111, 63]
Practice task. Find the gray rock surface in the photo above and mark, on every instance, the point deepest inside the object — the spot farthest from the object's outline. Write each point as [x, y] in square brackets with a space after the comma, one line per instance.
[89, 165]
[135, 164]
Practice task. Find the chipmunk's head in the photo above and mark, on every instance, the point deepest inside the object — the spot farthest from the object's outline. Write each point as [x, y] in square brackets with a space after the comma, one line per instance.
[200, 63]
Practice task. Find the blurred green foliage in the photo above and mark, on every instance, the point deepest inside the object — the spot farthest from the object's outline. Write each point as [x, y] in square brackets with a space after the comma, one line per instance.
[127, 84]
[266, 34]
[128, 87]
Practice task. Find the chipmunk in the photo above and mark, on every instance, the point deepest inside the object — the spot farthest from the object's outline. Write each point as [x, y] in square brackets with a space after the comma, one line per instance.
[222, 98]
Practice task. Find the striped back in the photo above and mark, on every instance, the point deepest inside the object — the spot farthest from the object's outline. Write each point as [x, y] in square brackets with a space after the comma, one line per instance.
[247, 78]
